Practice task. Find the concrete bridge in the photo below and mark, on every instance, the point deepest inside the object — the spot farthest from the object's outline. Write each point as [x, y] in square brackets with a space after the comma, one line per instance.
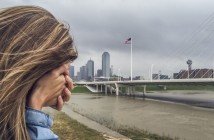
[128, 87]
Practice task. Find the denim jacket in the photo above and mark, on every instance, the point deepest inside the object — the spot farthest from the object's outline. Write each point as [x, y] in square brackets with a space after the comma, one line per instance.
[39, 124]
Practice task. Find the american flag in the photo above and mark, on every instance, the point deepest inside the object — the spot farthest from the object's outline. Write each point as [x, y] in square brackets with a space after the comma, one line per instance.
[128, 41]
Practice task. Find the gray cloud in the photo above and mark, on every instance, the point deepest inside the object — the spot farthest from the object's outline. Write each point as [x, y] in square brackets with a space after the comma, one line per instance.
[165, 33]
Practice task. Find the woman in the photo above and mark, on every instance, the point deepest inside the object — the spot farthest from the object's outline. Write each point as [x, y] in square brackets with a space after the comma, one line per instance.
[35, 50]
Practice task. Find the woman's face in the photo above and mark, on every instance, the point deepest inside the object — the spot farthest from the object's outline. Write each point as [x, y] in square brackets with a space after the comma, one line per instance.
[53, 89]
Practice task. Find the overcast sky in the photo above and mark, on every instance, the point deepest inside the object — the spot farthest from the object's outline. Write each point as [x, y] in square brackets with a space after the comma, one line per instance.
[165, 33]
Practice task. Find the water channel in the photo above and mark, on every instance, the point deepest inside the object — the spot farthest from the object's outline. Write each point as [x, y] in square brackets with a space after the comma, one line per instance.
[163, 118]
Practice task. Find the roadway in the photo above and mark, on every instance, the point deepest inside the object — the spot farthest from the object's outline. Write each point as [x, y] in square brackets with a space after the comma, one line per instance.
[204, 81]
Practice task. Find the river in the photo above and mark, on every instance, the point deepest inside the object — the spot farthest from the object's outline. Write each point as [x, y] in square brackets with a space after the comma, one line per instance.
[163, 118]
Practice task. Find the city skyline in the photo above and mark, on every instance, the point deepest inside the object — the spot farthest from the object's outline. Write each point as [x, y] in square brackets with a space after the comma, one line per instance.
[165, 33]
[88, 72]
[83, 73]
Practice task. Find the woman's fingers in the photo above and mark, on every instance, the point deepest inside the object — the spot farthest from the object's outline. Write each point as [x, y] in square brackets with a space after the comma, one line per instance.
[48, 90]
[69, 82]
[66, 95]
[59, 103]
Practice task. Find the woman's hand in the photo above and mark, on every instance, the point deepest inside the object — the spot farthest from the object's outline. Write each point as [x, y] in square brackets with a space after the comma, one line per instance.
[51, 90]
[64, 97]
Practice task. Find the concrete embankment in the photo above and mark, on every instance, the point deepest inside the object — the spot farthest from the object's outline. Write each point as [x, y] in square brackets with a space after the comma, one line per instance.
[108, 133]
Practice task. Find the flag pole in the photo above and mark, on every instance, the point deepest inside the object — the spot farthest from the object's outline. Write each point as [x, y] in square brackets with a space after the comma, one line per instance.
[131, 58]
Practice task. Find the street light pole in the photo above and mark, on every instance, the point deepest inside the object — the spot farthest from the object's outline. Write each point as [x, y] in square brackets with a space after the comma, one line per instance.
[151, 71]
[118, 75]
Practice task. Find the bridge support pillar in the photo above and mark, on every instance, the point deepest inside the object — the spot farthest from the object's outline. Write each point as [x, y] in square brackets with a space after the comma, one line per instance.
[128, 90]
[144, 90]
[131, 90]
[101, 86]
[97, 88]
[111, 89]
[106, 88]
[165, 88]
[117, 89]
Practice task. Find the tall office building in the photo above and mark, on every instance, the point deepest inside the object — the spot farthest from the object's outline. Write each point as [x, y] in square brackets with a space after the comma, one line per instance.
[111, 71]
[78, 76]
[99, 73]
[83, 73]
[90, 70]
[106, 64]
[71, 72]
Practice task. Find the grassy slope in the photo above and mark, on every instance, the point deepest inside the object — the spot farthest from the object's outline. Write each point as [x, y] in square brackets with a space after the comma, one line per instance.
[81, 89]
[175, 87]
[69, 129]
[135, 134]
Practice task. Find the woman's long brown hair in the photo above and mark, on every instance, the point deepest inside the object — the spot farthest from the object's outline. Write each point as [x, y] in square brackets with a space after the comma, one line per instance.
[32, 43]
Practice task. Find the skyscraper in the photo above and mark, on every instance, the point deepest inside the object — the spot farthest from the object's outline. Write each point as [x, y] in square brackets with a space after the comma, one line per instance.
[71, 72]
[99, 73]
[106, 64]
[78, 76]
[90, 70]
[83, 73]
[111, 71]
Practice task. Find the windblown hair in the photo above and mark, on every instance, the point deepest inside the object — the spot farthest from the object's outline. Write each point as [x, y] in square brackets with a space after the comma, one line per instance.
[32, 43]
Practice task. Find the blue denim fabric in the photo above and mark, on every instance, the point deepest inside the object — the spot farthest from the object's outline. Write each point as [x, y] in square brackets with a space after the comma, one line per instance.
[39, 124]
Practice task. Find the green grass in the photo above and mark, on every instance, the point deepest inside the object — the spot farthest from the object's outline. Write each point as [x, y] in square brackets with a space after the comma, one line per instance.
[173, 87]
[81, 89]
[136, 134]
